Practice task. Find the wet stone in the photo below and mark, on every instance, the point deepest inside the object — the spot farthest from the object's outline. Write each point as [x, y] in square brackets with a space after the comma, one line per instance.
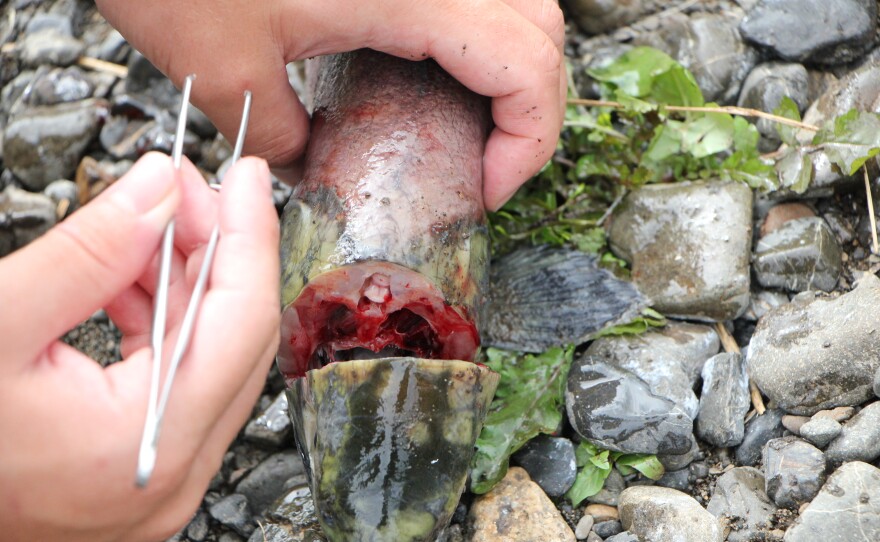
[782, 213]
[815, 31]
[45, 144]
[24, 216]
[724, 401]
[550, 462]
[765, 87]
[616, 410]
[272, 427]
[677, 479]
[63, 192]
[819, 353]
[859, 439]
[820, 431]
[794, 471]
[740, 500]
[668, 359]
[516, 509]
[689, 246]
[763, 302]
[660, 514]
[61, 86]
[600, 16]
[197, 530]
[710, 46]
[607, 528]
[49, 44]
[291, 518]
[265, 483]
[802, 254]
[233, 512]
[759, 430]
[848, 503]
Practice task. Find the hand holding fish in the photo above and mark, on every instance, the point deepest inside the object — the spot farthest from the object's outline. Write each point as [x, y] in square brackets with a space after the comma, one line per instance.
[510, 50]
[69, 430]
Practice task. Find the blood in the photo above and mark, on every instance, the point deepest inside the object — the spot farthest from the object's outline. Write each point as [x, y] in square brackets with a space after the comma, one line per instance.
[372, 310]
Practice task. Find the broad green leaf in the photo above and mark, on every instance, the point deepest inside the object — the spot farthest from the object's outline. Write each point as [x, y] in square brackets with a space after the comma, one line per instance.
[601, 460]
[708, 135]
[647, 464]
[584, 452]
[795, 170]
[852, 139]
[676, 86]
[589, 481]
[634, 71]
[745, 136]
[788, 109]
[649, 318]
[666, 142]
[749, 168]
[528, 402]
[590, 241]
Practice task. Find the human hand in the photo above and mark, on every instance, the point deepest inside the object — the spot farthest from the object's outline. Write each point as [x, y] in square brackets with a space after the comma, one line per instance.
[510, 50]
[69, 429]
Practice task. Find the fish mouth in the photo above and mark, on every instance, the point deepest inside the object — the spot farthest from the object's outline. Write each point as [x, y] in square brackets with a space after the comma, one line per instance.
[370, 310]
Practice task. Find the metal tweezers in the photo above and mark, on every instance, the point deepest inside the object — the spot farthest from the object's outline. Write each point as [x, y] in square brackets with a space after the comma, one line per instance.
[157, 404]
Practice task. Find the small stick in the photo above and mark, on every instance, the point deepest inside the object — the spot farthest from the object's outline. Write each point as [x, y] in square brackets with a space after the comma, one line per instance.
[62, 208]
[729, 344]
[874, 245]
[103, 66]
[731, 109]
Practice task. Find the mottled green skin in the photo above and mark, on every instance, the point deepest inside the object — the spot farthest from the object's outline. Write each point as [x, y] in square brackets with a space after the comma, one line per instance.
[387, 443]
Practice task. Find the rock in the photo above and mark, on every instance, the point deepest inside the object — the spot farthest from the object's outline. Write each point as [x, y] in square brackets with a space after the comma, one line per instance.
[550, 462]
[197, 530]
[678, 479]
[801, 254]
[266, 482]
[763, 302]
[859, 439]
[600, 16]
[65, 195]
[739, 497]
[660, 514]
[664, 358]
[813, 31]
[230, 537]
[584, 526]
[516, 509]
[821, 431]
[794, 423]
[710, 46]
[61, 86]
[877, 382]
[232, 511]
[689, 246]
[601, 512]
[819, 353]
[272, 427]
[540, 297]
[679, 461]
[610, 492]
[724, 401]
[608, 528]
[759, 430]
[616, 410]
[625, 536]
[847, 508]
[794, 471]
[45, 144]
[291, 518]
[593, 537]
[49, 46]
[24, 216]
[838, 414]
[765, 87]
[782, 213]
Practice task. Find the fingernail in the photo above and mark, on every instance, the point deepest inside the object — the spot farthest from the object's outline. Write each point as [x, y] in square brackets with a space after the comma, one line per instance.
[146, 185]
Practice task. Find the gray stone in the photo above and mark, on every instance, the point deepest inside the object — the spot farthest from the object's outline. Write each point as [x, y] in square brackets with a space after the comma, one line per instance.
[739, 498]
[689, 246]
[610, 492]
[819, 353]
[608, 528]
[600, 16]
[765, 87]
[45, 144]
[794, 471]
[616, 410]
[60, 86]
[232, 511]
[677, 479]
[859, 439]
[710, 46]
[63, 192]
[821, 431]
[847, 509]
[265, 483]
[794, 423]
[815, 31]
[802, 254]
[229, 537]
[663, 358]
[550, 462]
[197, 530]
[762, 302]
[679, 461]
[877, 382]
[24, 216]
[625, 536]
[584, 526]
[272, 427]
[593, 537]
[50, 46]
[291, 518]
[660, 514]
[724, 401]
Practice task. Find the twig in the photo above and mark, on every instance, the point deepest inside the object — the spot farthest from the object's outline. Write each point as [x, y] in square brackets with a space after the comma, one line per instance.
[729, 344]
[62, 208]
[874, 246]
[730, 109]
[103, 66]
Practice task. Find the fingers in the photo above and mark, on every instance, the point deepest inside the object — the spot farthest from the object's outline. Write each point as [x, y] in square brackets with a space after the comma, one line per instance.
[87, 260]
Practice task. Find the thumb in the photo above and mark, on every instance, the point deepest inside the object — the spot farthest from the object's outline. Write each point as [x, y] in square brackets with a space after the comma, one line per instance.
[84, 262]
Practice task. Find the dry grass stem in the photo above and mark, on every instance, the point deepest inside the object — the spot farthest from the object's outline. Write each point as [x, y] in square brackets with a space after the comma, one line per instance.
[874, 245]
[729, 344]
[730, 109]
[103, 66]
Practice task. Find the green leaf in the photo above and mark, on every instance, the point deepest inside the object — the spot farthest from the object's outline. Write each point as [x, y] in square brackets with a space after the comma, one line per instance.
[677, 86]
[852, 140]
[648, 319]
[745, 136]
[665, 143]
[647, 464]
[788, 109]
[528, 402]
[589, 481]
[795, 169]
[633, 105]
[634, 71]
[601, 460]
[708, 135]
